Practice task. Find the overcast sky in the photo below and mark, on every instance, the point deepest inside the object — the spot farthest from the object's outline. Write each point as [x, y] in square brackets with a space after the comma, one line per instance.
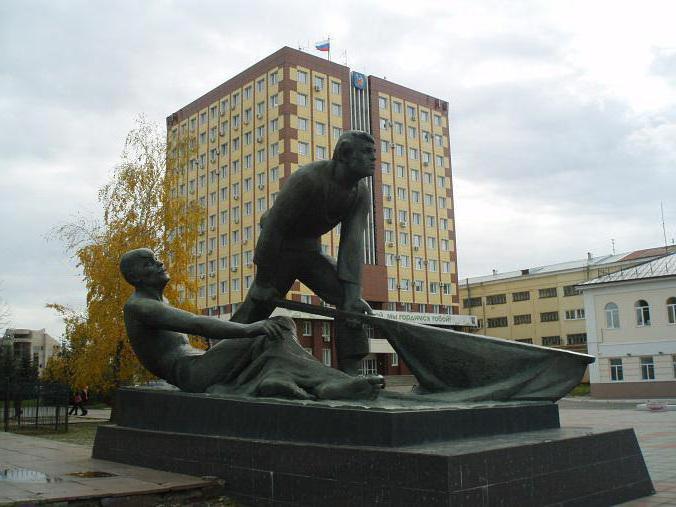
[563, 114]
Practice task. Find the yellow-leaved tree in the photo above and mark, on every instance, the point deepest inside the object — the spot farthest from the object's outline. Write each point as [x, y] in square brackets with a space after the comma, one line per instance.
[140, 209]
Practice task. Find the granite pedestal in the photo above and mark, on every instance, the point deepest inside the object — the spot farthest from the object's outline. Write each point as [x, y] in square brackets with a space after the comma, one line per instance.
[272, 452]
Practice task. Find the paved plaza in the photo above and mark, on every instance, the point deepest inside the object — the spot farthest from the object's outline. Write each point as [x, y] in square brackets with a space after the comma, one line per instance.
[656, 432]
[68, 467]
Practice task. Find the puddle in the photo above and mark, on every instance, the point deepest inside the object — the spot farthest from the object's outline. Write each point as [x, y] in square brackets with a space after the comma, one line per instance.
[91, 475]
[25, 475]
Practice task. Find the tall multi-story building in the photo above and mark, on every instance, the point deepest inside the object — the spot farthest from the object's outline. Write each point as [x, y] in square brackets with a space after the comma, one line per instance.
[231, 150]
[542, 305]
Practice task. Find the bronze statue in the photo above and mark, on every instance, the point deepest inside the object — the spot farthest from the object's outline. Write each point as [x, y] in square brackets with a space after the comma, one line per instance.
[259, 359]
[314, 200]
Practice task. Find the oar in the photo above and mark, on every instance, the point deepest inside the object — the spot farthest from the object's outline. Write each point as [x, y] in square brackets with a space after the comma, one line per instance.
[323, 310]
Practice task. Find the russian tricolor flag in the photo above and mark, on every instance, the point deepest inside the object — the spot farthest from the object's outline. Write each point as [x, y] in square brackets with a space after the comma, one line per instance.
[324, 45]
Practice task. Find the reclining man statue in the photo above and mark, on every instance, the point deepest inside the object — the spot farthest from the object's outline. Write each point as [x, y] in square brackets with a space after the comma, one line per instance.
[313, 201]
[257, 359]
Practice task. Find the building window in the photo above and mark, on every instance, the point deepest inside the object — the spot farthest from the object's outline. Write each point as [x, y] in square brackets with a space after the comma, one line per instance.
[395, 359]
[577, 338]
[612, 316]
[336, 109]
[471, 302]
[642, 312]
[497, 299]
[303, 148]
[391, 283]
[335, 87]
[525, 340]
[521, 296]
[326, 331]
[577, 314]
[570, 290]
[671, 310]
[547, 293]
[319, 104]
[616, 371]
[549, 341]
[382, 102]
[497, 322]
[549, 316]
[326, 357]
[673, 362]
[301, 99]
[307, 328]
[301, 77]
[647, 368]
[522, 319]
[319, 83]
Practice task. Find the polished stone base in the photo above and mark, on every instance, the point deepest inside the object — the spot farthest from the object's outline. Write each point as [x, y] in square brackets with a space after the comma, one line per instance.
[573, 466]
[392, 420]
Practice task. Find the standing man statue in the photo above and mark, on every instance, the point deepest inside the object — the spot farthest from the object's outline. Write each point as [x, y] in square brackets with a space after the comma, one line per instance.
[315, 199]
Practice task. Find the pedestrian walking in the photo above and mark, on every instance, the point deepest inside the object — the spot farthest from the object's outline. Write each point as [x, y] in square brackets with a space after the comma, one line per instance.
[79, 399]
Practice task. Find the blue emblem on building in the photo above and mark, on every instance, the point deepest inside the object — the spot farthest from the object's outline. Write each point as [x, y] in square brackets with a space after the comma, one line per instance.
[359, 80]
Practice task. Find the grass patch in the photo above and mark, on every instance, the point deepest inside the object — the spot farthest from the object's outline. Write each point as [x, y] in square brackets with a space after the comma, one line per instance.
[580, 390]
[80, 433]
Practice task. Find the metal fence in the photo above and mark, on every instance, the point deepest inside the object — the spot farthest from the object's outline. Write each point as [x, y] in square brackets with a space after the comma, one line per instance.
[34, 406]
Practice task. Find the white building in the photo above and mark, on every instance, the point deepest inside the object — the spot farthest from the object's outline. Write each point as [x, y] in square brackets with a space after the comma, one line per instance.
[34, 343]
[631, 329]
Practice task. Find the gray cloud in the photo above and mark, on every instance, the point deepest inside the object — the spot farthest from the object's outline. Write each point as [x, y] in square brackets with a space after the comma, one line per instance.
[548, 163]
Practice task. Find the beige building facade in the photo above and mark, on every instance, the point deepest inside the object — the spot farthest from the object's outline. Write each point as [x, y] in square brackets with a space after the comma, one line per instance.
[36, 344]
[231, 150]
[541, 305]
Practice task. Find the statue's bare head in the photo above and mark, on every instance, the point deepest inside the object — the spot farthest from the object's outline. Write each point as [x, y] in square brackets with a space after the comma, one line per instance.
[141, 268]
[357, 151]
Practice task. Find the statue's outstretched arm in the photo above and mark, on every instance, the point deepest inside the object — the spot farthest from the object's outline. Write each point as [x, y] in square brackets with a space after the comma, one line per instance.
[162, 316]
